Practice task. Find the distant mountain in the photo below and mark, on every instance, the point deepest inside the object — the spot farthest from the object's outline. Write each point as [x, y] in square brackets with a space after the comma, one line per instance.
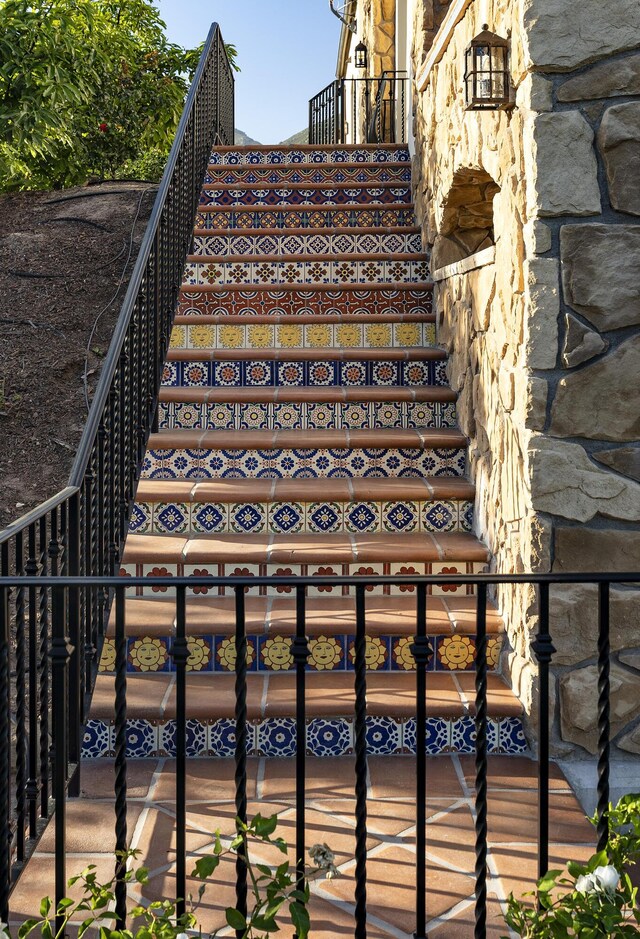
[301, 137]
[243, 140]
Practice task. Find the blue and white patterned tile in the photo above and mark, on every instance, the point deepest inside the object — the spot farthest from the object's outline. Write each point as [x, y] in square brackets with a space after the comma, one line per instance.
[142, 739]
[141, 518]
[463, 735]
[384, 736]
[437, 735]
[400, 516]
[208, 518]
[171, 518]
[248, 518]
[438, 517]
[324, 517]
[329, 736]
[196, 737]
[361, 517]
[511, 736]
[222, 738]
[286, 517]
[97, 739]
[276, 737]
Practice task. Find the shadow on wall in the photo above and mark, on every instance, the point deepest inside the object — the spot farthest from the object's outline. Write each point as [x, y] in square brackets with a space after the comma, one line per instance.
[467, 219]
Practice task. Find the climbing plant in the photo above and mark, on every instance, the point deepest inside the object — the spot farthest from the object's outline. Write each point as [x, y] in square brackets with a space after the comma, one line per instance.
[88, 88]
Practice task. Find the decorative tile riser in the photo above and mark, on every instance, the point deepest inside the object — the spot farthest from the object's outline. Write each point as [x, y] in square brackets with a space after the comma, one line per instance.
[241, 219]
[326, 569]
[334, 653]
[304, 302]
[278, 273]
[305, 336]
[354, 195]
[247, 373]
[275, 737]
[301, 464]
[285, 156]
[340, 243]
[180, 518]
[285, 175]
[304, 416]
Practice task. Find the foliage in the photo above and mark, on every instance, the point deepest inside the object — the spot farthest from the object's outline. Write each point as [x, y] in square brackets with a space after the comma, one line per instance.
[271, 890]
[86, 87]
[597, 899]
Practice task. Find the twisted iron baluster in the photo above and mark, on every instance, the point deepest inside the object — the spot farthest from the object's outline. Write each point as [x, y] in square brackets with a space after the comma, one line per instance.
[361, 765]
[422, 652]
[120, 728]
[180, 657]
[31, 787]
[604, 727]
[5, 754]
[44, 673]
[481, 764]
[300, 653]
[21, 723]
[241, 747]
[543, 649]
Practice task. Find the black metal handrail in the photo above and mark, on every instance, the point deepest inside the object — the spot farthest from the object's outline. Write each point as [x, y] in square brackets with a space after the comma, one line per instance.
[20, 797]
[375, 107]
[81, 530]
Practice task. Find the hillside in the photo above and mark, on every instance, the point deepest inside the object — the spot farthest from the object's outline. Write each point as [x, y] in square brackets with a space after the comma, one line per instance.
[243, 140]
[296, 139]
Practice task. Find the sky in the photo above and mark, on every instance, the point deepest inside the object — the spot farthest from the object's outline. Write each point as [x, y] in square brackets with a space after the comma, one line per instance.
[287, 50]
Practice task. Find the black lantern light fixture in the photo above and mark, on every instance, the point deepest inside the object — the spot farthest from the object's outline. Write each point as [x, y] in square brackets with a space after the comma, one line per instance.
[487, 83]
[360, 56]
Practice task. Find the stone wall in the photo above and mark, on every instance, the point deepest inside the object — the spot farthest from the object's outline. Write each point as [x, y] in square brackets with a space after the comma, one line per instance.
[545, 342]
[378, 19]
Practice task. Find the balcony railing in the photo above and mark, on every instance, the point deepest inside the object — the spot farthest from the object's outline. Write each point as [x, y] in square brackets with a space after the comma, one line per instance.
[360, 110]
[45, 656]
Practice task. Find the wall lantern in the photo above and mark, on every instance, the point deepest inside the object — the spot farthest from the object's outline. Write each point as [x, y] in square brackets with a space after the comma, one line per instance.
[487, 82]
[360, 55]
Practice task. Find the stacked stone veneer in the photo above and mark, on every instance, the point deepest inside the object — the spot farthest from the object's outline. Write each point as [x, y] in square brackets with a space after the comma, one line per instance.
[378, 18]
[545, 341]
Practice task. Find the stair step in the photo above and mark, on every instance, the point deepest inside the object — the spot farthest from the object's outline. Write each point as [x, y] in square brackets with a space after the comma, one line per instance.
[375, 215]
[304, 506]
[300, 194]
[395, 299]
[309, 173]
[330, 704]
[270, 408]
[305, 331]
[448, 614]
[301, 270]
[305, 242]
[309, 153]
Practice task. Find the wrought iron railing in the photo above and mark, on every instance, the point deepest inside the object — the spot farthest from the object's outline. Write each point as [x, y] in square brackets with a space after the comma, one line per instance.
[19, 795]
[81, 531]
[360, 110]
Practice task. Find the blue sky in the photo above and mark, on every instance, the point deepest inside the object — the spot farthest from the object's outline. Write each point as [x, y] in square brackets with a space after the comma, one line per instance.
[287, 50]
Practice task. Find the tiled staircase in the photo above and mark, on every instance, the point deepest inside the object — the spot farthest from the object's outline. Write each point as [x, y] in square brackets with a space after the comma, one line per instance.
[305, 427]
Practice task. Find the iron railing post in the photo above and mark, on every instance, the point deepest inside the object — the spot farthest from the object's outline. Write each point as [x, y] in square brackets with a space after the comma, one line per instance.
[61, 651]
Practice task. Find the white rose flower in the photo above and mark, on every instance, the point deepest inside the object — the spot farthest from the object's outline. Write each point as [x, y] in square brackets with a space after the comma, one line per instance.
[607, 878]
[586, 883]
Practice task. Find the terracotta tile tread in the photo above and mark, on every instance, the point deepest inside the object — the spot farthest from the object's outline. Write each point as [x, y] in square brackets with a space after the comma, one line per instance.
[424, 286]
[302, 319]
[278, 439]
[210, 697]
[303, 548]
[296, 354]
[259, 233]
[279, 167]
[322, 207]
[321, 147]
[306, 490]
[284, 395]
[391, 615]
[291, 258]
[286, 184]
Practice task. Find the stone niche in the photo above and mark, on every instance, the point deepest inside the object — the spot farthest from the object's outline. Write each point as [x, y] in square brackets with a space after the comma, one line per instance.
[467, 217]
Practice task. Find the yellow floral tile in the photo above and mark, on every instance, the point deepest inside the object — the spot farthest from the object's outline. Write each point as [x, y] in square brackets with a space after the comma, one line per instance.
[149, 654]
[201, 337]
[290, 336]
[276, 654]
[402, 654]
[349, 335]
[199, 654]
[226, 653]
[375, 653]
[178, 337]
[494, 646]
[231, 337]
[456, 652]
[378, 335]
[325, 653]
[108, 657]
[429, 334]
[408, 334]
[318, 336]
[260, 336]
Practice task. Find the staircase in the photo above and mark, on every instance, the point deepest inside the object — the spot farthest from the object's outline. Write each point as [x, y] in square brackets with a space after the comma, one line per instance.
[305, 427]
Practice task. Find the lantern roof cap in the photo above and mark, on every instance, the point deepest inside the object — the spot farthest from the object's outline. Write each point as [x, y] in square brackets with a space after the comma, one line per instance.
[487, 38]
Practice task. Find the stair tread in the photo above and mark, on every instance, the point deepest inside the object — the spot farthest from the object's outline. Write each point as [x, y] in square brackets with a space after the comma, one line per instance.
[253, 167]
[416, 287]
[287, 184]
[385, 615]
[297, 230]
[311, 207]
[297, 353]
[381, 438]
[343, 548]
[389, 694]
[300, 319]
[318, 394]
[306, 258]
[329, 489]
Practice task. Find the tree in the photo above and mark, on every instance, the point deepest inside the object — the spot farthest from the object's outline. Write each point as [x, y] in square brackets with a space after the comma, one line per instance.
[87, 88]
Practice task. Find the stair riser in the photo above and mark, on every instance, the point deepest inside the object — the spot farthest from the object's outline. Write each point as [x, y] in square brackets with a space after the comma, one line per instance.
[297, 244]
[285, 175]
[297, 416]
[243, 219]
[245, 373]
[182, 518]
[354, 195]
[251, 302]
[305, 336]
[310, 464]
[328, 737]
[276, 273]
[286, 156]
[272, 653]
